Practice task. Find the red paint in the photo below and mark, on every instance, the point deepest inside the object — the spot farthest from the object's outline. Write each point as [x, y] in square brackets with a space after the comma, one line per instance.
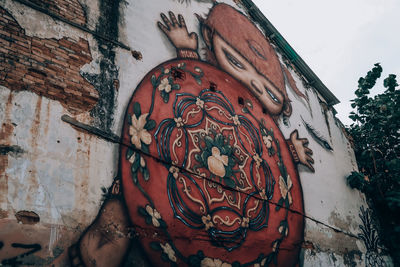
[187, 240]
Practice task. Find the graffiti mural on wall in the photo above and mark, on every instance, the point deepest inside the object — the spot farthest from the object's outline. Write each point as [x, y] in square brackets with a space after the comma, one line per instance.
[18, 260]
[206, 177]
[369, 235]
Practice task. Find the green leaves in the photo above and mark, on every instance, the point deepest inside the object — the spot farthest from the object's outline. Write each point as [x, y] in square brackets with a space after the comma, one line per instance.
[136, 163]
[175, 87]
[376, 139]
[279, 204]
[136, 109]
[209, 142]
[356, 181]
[393, 199]
[150, 125]
[215, 147]
[146, 174]
[229, 182]
[165, 96]
[390, 83]
[155, 245]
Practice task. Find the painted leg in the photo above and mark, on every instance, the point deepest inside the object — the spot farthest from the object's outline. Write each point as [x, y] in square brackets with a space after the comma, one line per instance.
[106, 241]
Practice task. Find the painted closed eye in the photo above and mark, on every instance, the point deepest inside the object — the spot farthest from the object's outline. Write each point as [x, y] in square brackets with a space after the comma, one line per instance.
[232, 60]
[257, 50]
[317, 136]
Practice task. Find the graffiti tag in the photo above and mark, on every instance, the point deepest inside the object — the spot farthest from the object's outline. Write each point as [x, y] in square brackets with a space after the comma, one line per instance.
[17, 260]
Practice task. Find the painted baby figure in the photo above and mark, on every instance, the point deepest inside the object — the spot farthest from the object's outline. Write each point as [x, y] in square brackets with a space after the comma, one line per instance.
[243, 52]
[206, 179]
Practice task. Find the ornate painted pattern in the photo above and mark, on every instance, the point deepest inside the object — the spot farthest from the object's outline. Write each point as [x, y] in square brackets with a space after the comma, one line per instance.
[219, 149]
[218, 176]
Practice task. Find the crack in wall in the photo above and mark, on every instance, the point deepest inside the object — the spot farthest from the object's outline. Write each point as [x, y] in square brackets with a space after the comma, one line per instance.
[117, 140]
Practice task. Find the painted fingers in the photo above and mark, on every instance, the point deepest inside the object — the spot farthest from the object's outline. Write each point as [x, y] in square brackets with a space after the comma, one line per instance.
[304, 153]
[175, 29]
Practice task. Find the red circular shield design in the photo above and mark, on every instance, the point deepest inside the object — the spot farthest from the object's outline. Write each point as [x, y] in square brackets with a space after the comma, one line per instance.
[207, 177]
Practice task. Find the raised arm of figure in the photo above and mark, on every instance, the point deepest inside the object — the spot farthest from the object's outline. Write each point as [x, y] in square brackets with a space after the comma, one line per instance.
[300, 152]
[186, 43]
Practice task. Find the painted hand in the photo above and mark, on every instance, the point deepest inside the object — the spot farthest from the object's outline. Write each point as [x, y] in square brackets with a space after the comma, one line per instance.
[177, 32]
[303, 152]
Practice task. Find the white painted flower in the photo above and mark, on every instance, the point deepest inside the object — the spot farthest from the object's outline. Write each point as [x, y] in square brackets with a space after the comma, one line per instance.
[179, 122]
[169, 251]
[274, 246]
[281, 229]
[207, 222]
[174, 171]
[236, 120]
[137, 131]
[164, 85]
[142, 162]
[257, 159]
[155, 215]
[267, 141]
[263, 194]
[285, 188]
[245, 222]
[198, 70]
[208, 262]
[261, 264]
[132, 158]
[217, 162]
[199, 102]
[166, 71]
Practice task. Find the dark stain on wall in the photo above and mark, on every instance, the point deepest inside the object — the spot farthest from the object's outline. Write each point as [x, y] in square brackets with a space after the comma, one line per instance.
[3, 215]
[350, 258]
[104, 82]
[14, 150]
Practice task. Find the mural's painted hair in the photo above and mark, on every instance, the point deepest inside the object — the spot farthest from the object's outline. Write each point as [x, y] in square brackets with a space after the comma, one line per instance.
[237, 30]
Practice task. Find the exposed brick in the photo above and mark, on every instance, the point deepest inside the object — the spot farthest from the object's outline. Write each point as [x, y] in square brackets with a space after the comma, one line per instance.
[23, 44]
[68, 9]
[3, 19]
[19, 37]
[4, 42]
[76, 47]
[4, 33]
[47, 67]
[17, 46]
[64, 42]
[3, 50]
[34, 79]
[37, 58]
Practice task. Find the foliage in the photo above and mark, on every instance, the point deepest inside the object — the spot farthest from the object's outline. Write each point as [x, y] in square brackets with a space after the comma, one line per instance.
[376, 135]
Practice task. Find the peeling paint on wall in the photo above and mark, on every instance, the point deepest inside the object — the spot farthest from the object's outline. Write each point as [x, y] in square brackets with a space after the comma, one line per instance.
[167, 189]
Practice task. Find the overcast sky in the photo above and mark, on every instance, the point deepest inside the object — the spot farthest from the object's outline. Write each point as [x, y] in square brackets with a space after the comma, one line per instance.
[340, 40]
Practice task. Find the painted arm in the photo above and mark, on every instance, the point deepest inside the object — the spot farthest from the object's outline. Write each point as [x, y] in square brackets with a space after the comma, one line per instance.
[106, 241]
[175, 29]
[300, 152]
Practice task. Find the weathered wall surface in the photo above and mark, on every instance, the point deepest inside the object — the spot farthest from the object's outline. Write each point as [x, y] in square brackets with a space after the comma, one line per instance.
[72, 191]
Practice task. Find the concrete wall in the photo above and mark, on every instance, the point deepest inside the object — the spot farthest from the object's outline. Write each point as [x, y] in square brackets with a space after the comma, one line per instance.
[68, 70]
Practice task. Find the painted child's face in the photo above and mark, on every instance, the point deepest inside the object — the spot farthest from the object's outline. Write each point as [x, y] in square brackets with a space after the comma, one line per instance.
[240, 68]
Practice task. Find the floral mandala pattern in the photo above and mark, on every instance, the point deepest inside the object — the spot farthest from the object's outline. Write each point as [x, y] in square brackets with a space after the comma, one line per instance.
[222, 147]
[207, 148]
